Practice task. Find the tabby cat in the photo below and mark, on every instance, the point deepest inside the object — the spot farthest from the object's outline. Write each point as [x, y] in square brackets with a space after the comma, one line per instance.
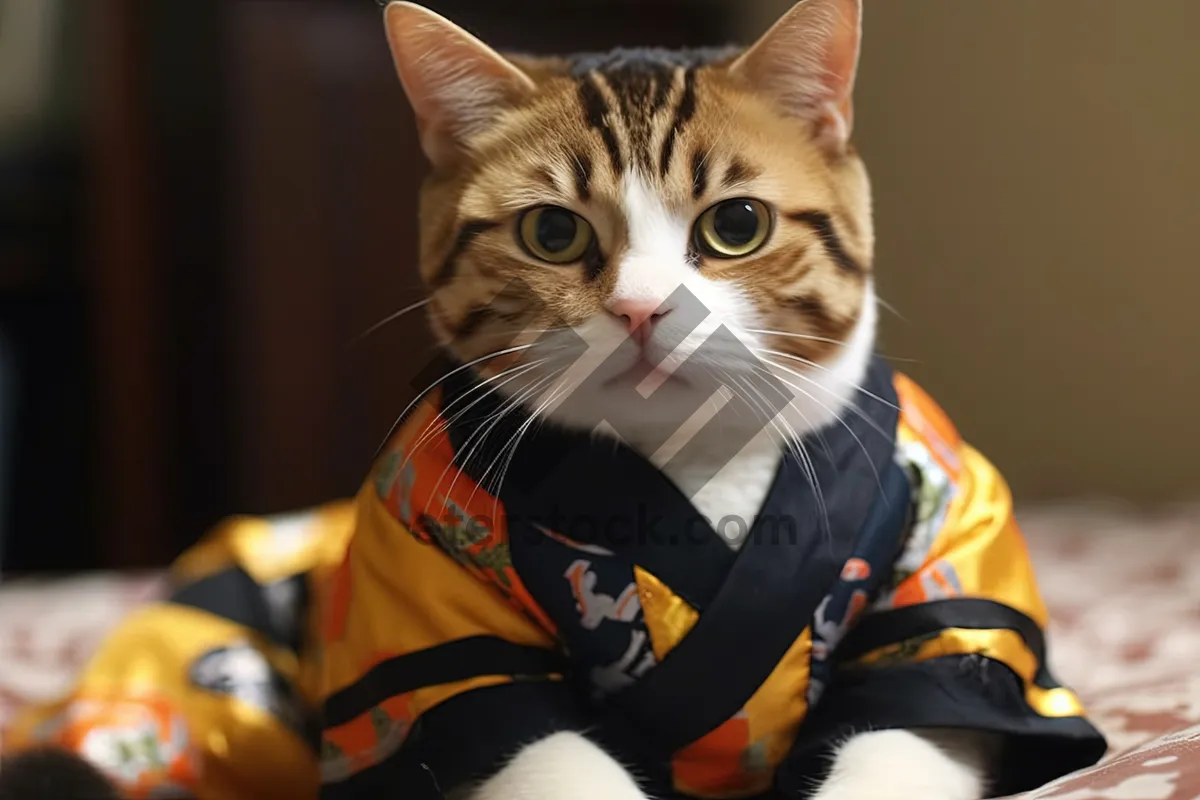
[652, 275]
[592, 189]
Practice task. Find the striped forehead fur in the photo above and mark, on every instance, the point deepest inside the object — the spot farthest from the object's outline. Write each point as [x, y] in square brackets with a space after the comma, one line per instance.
[664, 135]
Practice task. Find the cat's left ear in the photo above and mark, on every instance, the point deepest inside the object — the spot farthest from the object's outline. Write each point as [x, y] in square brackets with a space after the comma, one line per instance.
[807, 62]
[457, 85]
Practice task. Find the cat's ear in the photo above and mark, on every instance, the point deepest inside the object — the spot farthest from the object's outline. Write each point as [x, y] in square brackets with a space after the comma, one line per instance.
[807, 62]
[456, 84]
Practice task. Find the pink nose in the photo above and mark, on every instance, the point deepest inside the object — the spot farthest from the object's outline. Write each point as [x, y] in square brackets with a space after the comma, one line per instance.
[638, 316]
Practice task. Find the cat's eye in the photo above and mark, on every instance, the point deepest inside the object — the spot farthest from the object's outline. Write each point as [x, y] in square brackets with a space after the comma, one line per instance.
[733, 228]
[555, 234]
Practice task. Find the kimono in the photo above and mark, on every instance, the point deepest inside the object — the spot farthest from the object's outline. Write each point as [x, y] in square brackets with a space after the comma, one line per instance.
[413, 639]
[583, 591]
[213, 692]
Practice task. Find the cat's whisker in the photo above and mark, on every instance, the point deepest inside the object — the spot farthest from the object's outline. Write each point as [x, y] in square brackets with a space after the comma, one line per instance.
[509, 451]
[523, 332]
[421, 395]
[852, 407]
[712, 398]
[477, 438]
[809, 427]
[433, 429]
[512, 403]
[482, 482]
[510, 448]
[837, 416]
[810, 363]
[391, 318]
[724, 379]
[770, 417]
[794, 443]
[885, 304]
[730, 382]
[810, 470]
[789, 335]
[810, 338]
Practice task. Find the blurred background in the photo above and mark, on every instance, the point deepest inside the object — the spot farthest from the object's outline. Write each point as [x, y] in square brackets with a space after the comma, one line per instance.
[202, 204]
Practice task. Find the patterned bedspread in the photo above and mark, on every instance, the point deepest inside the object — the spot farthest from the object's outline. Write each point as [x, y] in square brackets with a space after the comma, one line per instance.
[1123, 589]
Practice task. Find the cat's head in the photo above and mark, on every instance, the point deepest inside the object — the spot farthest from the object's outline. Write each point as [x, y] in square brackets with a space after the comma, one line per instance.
[641, 202]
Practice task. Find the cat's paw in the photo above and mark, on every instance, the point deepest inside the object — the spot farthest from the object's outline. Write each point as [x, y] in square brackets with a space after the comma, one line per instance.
[903, 765]
[564, 766]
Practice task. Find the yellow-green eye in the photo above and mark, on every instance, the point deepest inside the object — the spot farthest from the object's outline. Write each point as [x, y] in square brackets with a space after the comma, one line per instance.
[733, 228]
[555, 234]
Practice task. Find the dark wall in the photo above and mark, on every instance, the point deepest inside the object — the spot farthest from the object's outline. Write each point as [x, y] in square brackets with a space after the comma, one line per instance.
[45, 366]
[325, 180]
[244, 187]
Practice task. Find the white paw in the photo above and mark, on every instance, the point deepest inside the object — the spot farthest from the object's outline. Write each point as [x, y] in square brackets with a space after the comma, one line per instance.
[902, 765]
[564, 766]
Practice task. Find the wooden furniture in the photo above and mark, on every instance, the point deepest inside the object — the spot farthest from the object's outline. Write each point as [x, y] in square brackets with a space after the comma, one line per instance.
[254, 177]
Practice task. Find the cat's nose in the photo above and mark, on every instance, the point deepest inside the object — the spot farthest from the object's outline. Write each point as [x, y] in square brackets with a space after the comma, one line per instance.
[638, 316]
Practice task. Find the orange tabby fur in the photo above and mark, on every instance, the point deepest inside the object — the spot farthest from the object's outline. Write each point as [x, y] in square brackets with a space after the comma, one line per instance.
[542, 150]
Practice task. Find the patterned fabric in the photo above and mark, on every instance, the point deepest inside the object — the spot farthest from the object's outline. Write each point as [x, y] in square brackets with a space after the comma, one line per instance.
[588, 592]
[1133, 662]
[209, 690]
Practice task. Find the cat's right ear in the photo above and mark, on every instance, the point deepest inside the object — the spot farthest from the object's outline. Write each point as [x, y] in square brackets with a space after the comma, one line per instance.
[807, 61]
[457, 85]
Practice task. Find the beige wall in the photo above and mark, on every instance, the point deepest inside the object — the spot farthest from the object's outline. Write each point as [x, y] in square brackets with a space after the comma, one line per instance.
[1037, 176]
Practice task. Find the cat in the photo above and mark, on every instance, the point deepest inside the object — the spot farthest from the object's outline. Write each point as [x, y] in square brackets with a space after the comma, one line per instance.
[600, 185]
[652, 273]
